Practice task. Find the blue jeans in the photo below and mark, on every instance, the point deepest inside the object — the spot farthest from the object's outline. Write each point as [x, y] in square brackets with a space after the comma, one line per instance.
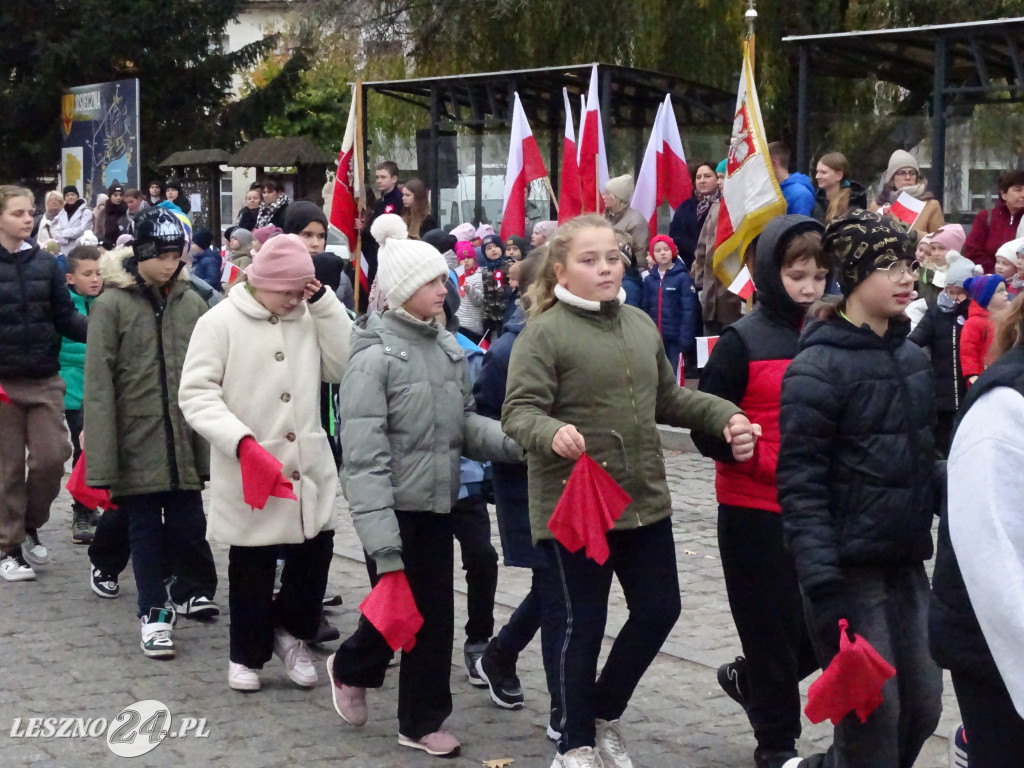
[171, 521]
[574, 602]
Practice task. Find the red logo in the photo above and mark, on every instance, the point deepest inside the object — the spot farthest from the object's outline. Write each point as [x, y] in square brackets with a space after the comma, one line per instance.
[741, 147]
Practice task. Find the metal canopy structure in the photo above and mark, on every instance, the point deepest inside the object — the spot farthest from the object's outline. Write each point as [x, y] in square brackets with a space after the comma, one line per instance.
[481, 101]
[959, 65]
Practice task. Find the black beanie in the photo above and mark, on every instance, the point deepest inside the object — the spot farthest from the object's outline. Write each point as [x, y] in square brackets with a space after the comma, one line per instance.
[70, 188]
[863, 241]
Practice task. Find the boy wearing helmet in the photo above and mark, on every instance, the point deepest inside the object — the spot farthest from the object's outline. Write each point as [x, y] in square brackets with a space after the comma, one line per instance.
[138, 443]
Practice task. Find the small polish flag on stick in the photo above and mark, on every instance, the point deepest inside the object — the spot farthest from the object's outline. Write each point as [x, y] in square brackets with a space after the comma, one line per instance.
[704, 346]
[680, 371]
[907, 208]
[229, 274]
[743, 285]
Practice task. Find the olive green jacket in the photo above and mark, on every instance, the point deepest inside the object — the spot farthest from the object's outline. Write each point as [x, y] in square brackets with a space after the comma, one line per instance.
[606, 373]
[136, 437]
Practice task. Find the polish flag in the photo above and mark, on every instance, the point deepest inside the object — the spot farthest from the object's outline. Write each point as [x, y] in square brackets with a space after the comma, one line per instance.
[674, 183]
[907, 208]
[751, 196]
[524, 165]
[743, 285]
[347, 190]
[680, 372]
[593, 158]
[229, 274]
[569, 203]
[704, 346]
[647, 194]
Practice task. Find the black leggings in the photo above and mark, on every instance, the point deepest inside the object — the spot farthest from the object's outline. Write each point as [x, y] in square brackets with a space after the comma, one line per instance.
[994, 730]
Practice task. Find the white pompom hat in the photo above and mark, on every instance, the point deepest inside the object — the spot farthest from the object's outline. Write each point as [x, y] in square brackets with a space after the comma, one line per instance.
[403, 265]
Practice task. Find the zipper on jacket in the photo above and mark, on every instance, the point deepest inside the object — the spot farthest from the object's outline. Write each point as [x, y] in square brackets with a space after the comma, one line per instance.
[632, 400]
[158, 314]
[956, 378]
[661, 289]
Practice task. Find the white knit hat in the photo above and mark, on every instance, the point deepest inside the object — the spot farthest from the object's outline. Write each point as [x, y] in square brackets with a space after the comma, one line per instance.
[403, 265]
[900, 159]
[959, 268]
[621, 187]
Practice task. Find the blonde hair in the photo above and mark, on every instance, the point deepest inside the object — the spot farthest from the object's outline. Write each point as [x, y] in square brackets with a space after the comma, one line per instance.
[8, 192]
[53, 195]
[1010, 331]
[541, 296]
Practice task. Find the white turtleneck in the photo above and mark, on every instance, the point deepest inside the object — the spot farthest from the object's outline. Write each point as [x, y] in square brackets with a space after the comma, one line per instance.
[564, 294]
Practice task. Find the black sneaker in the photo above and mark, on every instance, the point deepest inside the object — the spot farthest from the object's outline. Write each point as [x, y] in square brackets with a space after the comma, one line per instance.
[498, 670]
[82, 529]
[471, 653]
[326, 632]
[773, 758]
[733, 679]
[103, 584]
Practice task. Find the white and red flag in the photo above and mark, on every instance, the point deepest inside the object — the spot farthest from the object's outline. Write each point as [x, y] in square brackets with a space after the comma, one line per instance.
[647, 194]
[229, 274]
[673, 175]
[593, 158]
[743, 285]
[524, 165]
[569, 203]
[907, 208]
[348, 190]
[704, 346]
[750, 194]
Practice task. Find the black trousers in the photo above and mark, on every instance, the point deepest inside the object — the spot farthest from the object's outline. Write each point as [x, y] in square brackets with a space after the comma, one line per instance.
[111, 546]
[994, 730]
[424, 678]
[76, 421]
[471, 526]
[764, 597]
[255, 611]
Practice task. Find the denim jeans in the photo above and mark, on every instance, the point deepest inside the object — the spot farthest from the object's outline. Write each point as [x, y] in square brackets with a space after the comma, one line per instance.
[171, 521]
[574, 602]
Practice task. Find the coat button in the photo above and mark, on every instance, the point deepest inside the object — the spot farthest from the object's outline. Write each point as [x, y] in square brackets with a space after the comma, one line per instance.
[290, 437]
[402, 354]
[296, 476]
[274, 319]
[286, 397]
[604, 463]
[279, 356]
[387, 349]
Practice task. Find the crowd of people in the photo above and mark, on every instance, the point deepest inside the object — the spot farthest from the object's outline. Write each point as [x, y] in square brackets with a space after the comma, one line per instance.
[478, 370]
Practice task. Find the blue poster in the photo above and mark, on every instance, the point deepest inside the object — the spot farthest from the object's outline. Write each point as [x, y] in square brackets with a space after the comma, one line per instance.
[100, 136]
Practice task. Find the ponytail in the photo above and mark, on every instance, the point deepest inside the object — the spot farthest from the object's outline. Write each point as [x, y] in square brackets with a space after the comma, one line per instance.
[541, 296]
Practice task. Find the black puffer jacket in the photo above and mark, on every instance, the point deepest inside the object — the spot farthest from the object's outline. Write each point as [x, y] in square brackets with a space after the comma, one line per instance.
[954, 634]
[940, 332]
[856, 468]
[35, 311]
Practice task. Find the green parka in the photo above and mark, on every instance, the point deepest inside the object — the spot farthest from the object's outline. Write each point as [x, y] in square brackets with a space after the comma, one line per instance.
[136, 438]
[603, 370]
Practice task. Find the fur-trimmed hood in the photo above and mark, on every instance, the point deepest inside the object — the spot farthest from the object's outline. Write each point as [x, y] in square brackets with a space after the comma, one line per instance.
[118, 268]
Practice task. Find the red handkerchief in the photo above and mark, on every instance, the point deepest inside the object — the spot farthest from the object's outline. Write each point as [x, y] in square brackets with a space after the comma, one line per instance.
[852, 682]
[93, 498]
[4, 397]
[261, 475]
[591, 503]
[391, 608]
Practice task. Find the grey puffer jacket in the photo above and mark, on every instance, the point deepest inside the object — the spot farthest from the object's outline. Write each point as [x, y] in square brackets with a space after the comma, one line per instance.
[407, 414]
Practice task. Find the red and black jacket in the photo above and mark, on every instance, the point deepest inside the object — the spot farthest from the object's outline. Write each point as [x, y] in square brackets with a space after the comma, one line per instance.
[746, 367]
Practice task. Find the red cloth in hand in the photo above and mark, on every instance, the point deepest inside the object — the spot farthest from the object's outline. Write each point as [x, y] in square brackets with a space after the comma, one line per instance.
[261, 475]
[852, 682]
[93, 498]
[591, 503]
[390, 607]
[4, 397]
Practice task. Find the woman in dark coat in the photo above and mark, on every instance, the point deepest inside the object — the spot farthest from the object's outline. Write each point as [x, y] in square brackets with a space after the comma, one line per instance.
[689, 217]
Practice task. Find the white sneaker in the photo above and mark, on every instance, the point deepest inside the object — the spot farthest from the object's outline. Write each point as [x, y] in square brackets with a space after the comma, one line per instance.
[157, 642]
[241, 678]
[581, 757]
[297, 664]
[14, 568]
[33, 551]
[609, 743]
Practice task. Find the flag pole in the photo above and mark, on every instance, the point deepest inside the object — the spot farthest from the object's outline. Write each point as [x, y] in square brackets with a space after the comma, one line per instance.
[597, 182]
[751, 19]
[551, 192]
[357, 258]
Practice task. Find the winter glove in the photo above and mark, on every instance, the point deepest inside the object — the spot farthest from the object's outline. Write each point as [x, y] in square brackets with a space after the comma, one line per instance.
[827, 607]
[261, 475]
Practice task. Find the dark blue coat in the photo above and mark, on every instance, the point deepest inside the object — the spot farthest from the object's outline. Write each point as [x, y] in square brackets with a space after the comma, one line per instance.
[685, 229]
[633, 285]
[510, 483]
[674, 307]
[207, 267]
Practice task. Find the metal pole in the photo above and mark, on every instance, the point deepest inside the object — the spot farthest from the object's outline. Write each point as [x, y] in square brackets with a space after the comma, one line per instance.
[939, 120]
[478, 179]
[435, 118]
[801, 110]
[750, 16]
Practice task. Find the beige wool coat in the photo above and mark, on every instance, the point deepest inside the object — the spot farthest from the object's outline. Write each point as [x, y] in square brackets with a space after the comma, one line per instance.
[251, 373]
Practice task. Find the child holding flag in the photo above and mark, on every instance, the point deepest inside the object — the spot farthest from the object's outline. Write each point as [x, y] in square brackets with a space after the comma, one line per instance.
[589, 375]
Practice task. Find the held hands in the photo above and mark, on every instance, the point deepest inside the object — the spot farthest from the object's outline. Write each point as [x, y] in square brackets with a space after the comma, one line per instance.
[569, 443]
[742, 436]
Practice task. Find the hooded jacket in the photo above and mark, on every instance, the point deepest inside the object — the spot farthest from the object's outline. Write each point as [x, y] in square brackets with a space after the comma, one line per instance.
[69, 227]
[991, 229]
[799, 193]
[672, 303]
[137, 438]
[941, 333]
[72, 358]
[977, 336]
[856, 458]
[746, 367]
[35, 312]
[280, 409]
[406, 416]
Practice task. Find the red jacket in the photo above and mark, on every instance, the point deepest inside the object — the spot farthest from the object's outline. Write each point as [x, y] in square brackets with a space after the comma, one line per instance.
[991, 229]
[977, 336]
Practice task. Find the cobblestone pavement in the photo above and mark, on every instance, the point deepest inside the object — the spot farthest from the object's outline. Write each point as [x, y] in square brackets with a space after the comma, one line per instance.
[66, 653]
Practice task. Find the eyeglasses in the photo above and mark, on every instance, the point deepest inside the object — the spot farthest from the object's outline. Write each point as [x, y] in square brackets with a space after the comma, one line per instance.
[898, 270]
[907, 173]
